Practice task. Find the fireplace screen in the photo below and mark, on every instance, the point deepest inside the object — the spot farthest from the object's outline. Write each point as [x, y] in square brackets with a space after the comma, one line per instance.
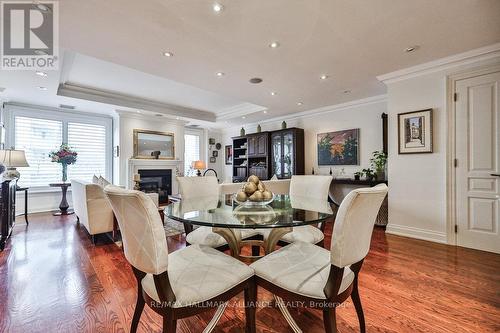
[157, 181]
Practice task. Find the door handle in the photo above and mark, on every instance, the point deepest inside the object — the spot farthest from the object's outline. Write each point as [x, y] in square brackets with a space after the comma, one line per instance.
[495, 174]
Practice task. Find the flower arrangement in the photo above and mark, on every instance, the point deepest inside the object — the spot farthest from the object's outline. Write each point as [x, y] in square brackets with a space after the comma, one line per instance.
[65, 156]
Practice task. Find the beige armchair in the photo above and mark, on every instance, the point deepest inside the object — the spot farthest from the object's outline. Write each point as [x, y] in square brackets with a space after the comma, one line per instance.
[92, 207]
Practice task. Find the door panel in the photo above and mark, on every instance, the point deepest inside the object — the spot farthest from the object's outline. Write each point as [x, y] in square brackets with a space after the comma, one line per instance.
[478, 153]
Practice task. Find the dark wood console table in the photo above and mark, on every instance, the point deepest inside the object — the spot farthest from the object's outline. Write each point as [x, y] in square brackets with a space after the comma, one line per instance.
[25, 190]
[63, 206]
[383, 213]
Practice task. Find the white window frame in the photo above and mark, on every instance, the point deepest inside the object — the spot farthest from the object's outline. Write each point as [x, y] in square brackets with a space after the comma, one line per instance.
[201, 134]
[41, 112]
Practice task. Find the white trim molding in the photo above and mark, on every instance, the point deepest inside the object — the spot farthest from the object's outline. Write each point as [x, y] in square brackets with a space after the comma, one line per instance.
[465, 58]
[113, 98]
[319, 111]
[239, 110]
[418, 233]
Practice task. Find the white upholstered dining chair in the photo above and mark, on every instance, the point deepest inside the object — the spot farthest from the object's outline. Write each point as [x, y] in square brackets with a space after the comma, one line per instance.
[324, 279]
[200, 187]
[315, 188]
[180, 284]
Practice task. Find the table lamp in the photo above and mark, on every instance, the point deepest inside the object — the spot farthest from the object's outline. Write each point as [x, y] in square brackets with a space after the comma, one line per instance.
[13, 159]
[198, 165]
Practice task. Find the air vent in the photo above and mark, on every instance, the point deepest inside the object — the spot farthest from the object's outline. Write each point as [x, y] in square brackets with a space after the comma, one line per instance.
[2, 89]
[65, 106]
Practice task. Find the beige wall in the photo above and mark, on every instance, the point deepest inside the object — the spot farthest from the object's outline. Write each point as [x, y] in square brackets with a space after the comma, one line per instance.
[366, 117]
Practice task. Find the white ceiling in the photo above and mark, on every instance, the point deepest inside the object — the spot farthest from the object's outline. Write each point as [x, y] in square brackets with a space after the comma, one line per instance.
[351, 41]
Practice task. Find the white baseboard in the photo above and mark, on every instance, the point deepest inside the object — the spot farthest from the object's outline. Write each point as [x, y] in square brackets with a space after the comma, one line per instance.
[412, 232]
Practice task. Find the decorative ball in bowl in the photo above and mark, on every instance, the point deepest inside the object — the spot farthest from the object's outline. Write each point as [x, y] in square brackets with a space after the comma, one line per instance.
[254, 193]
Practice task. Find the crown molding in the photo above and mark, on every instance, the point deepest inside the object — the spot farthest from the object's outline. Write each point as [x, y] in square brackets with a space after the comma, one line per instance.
[112, 98]
[146, 116]
[319, 111]
[465, 58]
[238, 111]
[32, 107]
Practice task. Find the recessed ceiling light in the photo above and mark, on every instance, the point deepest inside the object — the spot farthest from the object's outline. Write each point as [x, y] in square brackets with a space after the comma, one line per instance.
[138, 111]
[273, 93]
[274, 45]
[243, 117]
[346, 91]
[220, 74]
[217, 7]
[300, 103]
[265, 111]
[40, 73]
[411, 48]
[324, 77]
[255, 80]
[42, 88]
[40, 52]
[168, 54]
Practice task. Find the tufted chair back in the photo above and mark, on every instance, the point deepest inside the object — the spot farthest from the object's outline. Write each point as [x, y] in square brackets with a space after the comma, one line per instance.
[316, 187]
[352, 231]
[144, 241]
[193, 187]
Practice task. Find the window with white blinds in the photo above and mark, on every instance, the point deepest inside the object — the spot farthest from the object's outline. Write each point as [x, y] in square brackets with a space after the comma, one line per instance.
[89, 141]
[38, 132]
[191, 152]
[37, 137]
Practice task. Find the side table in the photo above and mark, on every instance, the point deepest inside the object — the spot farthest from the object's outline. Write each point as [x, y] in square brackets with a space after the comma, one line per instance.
[63, 206]
[25, 190]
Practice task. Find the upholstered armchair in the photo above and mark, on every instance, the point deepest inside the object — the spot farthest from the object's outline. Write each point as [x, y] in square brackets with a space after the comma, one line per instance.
[180, 284]
[304, 272]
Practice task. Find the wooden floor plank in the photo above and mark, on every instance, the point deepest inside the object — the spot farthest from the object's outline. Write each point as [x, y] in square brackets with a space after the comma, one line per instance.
[53, 279]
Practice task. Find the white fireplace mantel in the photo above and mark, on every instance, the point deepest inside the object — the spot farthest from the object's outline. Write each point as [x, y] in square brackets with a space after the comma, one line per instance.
[135, 164]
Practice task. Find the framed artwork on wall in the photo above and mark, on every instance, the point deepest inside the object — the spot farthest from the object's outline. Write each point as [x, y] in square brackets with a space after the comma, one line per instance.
[215, 153]
[213, 160]
[339, 148]
[415, 132]
[229, 154]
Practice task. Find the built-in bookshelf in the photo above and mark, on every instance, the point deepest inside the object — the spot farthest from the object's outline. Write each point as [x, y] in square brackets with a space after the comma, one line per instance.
[240, 159]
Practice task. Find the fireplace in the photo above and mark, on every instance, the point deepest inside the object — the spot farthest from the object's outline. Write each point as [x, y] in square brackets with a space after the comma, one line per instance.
[156, 181]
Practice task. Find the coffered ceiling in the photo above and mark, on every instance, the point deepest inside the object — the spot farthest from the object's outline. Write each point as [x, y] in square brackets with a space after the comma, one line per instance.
[119, 45]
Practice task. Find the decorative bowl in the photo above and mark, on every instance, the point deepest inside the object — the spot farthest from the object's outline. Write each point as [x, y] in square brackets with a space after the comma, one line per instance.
[249, 203]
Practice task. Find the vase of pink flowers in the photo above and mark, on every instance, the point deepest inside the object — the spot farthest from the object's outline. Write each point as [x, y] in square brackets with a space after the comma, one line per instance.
[65, 155]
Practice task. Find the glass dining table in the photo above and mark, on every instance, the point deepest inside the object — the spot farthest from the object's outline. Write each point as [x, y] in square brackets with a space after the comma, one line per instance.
[228, 217]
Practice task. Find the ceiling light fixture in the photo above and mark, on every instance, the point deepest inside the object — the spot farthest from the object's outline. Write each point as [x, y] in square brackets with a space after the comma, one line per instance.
[220, 74]
[40, 73]
[265, 111]
[273, 93]
[300, 103]
[324, 77]
[168, 54]
[274, 45]
[217, 7]
[346, 91]
[411, 48]
[243, 117]
[42, 88]
[177, 118]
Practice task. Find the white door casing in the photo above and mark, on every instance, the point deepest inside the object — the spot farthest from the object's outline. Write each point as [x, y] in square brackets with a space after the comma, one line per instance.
[477, 145]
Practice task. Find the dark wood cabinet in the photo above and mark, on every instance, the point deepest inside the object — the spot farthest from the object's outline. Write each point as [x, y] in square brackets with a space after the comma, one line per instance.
[7, 210]
[258, 144]
[287, 152]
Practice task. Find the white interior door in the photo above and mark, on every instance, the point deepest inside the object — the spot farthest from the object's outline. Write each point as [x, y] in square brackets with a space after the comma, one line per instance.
[478, 162]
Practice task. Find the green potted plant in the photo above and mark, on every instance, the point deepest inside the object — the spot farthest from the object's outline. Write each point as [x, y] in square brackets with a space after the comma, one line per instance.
[369, 174]
[378, 162]
[358, 175]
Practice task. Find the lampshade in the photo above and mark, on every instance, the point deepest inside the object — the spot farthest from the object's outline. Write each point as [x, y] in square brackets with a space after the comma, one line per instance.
[199, 165]
[13, 158]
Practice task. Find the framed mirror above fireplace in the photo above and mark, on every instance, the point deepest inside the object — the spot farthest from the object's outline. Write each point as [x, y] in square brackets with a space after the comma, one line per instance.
[153, 145]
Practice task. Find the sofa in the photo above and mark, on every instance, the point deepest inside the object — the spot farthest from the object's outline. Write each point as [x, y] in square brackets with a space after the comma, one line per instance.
[92, 207]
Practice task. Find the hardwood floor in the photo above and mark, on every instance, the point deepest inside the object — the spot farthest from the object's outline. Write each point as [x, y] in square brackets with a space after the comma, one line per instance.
[52, 279]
